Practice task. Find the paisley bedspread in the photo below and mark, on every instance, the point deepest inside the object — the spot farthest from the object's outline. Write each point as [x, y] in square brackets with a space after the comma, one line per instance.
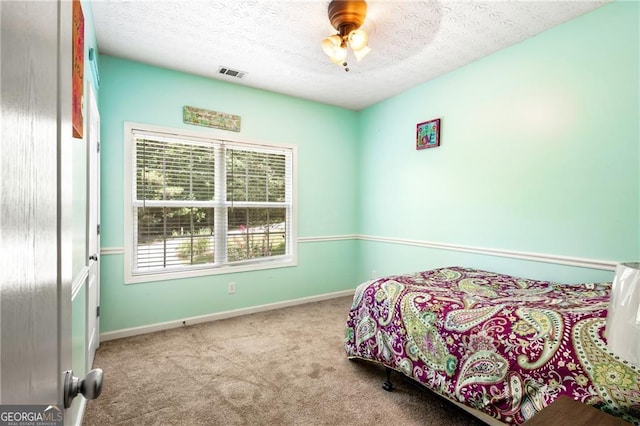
[503, 345]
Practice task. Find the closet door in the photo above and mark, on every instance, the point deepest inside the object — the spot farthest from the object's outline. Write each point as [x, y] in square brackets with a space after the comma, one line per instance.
[93, 227]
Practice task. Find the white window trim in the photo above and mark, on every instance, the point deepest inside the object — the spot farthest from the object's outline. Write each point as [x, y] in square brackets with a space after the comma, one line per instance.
[258, 264]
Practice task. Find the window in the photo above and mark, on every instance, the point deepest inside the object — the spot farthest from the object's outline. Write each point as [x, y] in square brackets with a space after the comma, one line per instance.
[201, 205]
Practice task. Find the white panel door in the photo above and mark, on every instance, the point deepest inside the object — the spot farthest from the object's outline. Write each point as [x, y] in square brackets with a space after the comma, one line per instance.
[93, 226]
[36, 189]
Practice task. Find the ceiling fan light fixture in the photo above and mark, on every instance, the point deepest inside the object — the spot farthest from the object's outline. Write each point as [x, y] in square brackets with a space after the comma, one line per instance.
[359, 54]
[329, 44]
[358, 39]
[335, 49]
[339, 56]
[346, 16]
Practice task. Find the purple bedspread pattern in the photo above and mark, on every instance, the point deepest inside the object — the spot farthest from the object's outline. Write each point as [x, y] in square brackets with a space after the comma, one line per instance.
[504, 345]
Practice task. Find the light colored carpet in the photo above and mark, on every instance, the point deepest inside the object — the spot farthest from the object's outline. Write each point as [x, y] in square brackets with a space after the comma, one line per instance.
[282, 367]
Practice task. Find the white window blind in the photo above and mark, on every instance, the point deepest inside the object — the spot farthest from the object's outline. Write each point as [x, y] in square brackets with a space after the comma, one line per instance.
[258, 216]
[206, 204]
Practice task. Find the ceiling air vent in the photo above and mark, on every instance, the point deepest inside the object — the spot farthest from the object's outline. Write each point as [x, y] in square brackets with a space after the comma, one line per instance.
[231, 73]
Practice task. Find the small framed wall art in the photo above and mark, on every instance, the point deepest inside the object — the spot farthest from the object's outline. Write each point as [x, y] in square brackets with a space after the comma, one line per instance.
[208, 118]
[428, 134]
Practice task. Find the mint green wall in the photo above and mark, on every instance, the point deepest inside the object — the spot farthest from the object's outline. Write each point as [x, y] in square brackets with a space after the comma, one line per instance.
[539, 154]
[326, 138]
[323, 267]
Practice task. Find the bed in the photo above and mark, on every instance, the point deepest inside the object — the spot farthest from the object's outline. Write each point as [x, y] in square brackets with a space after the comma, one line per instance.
[502, 347]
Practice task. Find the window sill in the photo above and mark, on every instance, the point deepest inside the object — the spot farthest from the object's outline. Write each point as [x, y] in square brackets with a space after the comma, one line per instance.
[194, 273]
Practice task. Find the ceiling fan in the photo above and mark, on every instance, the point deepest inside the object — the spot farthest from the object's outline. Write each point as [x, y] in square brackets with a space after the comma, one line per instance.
[346, 16]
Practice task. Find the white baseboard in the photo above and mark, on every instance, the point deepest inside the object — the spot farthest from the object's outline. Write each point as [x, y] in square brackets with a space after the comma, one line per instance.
[134, 331]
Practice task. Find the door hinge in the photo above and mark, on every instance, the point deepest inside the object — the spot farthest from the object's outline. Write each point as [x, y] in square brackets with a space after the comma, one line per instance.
[98, 311]
[98, 147]
[98, 229]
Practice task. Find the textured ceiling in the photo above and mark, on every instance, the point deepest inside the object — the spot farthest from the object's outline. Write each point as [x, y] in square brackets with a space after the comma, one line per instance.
[277, 43]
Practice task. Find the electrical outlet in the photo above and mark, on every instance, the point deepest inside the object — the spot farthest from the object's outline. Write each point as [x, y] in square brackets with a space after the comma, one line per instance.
[231, 287]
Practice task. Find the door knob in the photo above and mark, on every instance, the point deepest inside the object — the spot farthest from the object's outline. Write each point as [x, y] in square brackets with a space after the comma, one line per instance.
[90, 387]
